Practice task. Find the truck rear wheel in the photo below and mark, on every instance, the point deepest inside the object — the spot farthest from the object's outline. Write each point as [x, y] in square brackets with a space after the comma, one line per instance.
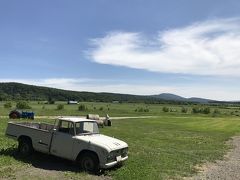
[25, 147]
[89, 162]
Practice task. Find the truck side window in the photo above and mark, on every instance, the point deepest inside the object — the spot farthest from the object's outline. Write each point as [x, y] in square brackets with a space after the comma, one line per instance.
[66, 127]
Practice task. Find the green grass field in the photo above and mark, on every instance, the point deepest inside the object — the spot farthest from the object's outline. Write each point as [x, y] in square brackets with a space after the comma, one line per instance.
[165, 147]
[123, 109]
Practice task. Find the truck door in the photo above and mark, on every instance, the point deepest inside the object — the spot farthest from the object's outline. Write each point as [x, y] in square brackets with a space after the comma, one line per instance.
[62, 140]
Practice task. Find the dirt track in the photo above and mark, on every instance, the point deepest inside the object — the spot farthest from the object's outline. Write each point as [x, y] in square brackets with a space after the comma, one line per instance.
[226, 169]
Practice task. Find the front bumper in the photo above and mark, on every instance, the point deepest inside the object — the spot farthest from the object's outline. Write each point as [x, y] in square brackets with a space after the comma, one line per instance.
[114, 163]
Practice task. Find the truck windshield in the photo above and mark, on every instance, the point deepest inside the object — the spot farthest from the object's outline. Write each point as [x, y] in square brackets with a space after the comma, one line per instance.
[86, 127]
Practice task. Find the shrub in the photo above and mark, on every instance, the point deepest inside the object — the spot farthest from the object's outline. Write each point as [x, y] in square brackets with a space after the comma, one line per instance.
[22, 105]
[184, 110]
[215, 112]
[51, 101]
[206, 110]
[141, 109]
[165, 109]
[101, 108]
[146, 110]
[196, 110]
[8, 105]
[60, 106]
[82, 107]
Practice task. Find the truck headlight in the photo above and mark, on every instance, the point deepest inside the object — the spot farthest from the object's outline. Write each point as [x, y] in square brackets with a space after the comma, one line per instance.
[124, 152]
[111, 157]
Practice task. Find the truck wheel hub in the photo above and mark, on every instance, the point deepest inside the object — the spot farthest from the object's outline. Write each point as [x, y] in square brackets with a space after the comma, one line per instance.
[88, 164]
[24, 148]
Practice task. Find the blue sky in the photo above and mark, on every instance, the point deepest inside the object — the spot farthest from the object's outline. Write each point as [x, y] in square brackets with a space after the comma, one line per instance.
[185, 47]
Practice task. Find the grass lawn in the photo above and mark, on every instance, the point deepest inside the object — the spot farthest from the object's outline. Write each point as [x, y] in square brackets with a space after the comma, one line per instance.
[166, 147]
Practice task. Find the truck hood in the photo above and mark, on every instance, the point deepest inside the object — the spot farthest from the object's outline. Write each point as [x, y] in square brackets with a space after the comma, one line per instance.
[104, 141]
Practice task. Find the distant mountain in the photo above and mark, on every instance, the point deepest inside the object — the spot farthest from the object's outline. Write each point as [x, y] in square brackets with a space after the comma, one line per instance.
[199, 100]
[169, 97]
[173, 97]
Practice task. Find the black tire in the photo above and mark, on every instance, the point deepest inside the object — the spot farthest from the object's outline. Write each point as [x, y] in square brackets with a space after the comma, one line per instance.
[89, 162]
[25, 147]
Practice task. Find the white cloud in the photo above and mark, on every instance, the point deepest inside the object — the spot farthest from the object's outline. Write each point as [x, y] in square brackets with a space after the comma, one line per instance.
[204, 48]
[93, 85]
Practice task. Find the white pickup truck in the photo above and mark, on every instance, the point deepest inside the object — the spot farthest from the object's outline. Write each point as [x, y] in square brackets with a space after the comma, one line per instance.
[76, 139]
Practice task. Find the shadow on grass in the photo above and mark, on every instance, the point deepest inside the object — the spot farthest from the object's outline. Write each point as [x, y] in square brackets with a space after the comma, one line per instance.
[42, 161]
[49, 162]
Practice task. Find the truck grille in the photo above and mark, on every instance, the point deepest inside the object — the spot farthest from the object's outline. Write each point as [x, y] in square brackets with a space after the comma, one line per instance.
[120, 152]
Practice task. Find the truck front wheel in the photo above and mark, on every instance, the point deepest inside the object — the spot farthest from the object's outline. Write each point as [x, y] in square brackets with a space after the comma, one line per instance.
[89, 162]
[25, 147]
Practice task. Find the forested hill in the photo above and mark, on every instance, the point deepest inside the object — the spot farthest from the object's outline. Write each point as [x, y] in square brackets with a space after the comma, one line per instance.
[18, 91]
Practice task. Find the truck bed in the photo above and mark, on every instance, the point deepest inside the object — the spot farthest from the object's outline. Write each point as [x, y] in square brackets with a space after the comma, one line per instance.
[41, 126]
[40, 133]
